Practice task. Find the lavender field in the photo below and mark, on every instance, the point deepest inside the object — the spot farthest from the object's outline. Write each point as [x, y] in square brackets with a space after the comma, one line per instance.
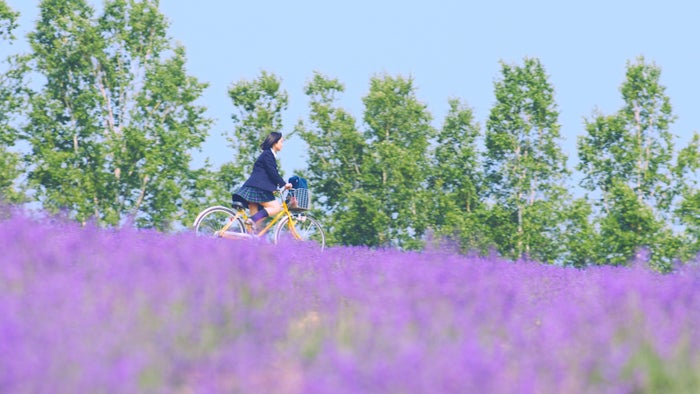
[84, 310]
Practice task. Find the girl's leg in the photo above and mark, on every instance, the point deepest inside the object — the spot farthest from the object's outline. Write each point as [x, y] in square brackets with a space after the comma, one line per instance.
[269, 208]
[272, 207]
[252, 208]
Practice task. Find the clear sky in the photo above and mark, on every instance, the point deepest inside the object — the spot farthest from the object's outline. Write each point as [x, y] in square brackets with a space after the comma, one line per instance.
[451, 48]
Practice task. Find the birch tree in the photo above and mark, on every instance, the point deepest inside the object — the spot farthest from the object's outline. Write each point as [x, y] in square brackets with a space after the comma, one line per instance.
[455, 181]
[627, 160]
[336, 150]
[114, 121]
[524, 164]
[395, 168]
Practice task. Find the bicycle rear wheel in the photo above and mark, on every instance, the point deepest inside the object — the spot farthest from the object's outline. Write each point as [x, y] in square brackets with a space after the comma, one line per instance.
[211, 221]
[303, 227]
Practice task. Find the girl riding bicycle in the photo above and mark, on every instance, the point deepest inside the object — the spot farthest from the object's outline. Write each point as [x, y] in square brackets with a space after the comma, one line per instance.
[263, 180]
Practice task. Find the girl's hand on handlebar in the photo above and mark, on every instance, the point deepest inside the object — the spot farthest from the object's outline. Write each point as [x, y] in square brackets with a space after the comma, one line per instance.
[288, 186]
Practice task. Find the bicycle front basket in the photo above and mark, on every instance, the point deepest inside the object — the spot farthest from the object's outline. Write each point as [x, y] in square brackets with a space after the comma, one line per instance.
[303, 199]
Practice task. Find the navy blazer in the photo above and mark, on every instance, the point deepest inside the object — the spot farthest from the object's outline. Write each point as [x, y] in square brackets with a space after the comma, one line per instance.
[265, 175]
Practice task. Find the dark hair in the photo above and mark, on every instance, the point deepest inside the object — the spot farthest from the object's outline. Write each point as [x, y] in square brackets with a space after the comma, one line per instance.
[271, 139]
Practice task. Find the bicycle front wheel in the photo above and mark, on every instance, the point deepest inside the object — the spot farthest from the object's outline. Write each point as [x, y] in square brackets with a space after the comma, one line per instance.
[218, 222]
[303, 227]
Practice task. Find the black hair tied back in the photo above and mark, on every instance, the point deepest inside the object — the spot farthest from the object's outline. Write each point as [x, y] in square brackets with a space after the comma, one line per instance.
[271, 139]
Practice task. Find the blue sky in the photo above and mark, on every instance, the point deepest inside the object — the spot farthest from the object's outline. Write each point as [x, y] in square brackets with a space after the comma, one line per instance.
[451, 48]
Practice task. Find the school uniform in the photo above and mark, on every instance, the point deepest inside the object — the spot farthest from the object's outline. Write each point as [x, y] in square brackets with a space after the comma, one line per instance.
[263, 180]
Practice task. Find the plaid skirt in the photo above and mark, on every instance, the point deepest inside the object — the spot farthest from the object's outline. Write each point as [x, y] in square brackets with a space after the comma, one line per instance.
[253, 194]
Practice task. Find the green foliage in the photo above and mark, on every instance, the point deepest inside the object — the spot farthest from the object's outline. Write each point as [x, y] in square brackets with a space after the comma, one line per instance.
[454, 181]
[525, 168]
[12, 102]
[111, 127]
[372, 183]
[9, 172]
[628, 226]
[361, 222]
[259, 104]
[398, 134]
[648, 115]
[580, 236]
[8, 21]
[603, 153]
[335, 147]
[336, 150]
[627, 159]
[687, 212]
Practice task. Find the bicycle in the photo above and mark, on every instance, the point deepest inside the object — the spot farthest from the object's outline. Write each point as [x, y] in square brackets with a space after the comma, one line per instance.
[222, 222]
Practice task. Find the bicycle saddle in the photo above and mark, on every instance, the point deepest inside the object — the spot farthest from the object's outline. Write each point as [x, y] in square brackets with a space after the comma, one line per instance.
[237, 202]
[237, 205]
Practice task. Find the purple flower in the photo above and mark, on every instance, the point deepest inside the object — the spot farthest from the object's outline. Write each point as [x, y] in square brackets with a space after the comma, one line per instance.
[84, 309]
